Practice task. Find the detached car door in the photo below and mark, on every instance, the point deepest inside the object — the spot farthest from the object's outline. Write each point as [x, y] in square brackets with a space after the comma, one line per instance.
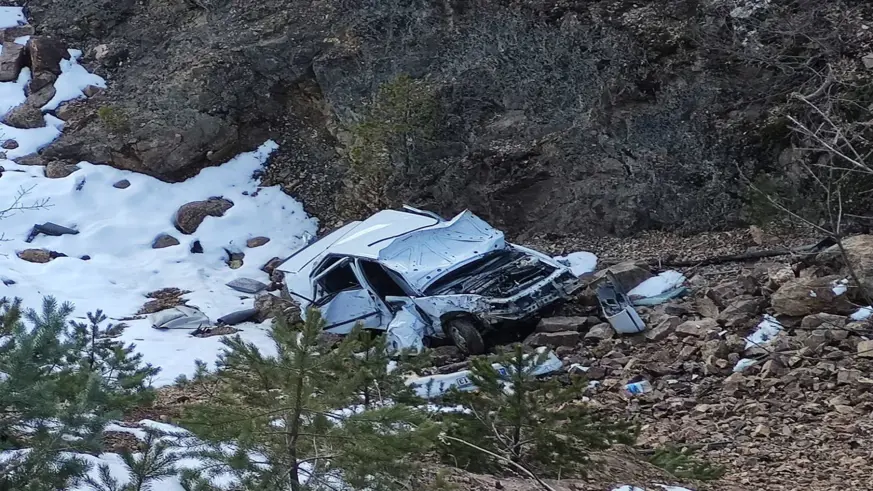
[342, 299]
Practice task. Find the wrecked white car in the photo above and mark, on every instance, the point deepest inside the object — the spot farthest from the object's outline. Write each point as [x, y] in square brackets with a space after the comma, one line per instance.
[416, 275]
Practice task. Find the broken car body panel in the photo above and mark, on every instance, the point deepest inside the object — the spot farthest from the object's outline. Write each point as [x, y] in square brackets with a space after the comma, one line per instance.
[445, 268]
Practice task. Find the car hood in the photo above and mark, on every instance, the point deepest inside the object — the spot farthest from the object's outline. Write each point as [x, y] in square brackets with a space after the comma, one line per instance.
[423, 256]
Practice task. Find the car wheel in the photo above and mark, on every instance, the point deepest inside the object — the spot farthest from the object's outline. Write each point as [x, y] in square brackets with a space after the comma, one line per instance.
[464, 333]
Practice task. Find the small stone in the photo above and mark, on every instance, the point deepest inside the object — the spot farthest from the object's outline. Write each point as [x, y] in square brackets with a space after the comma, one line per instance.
[664, 329]
[600, 332]
[122, 184]
[190, 215]
[868, 61]
[85, 258]
[707, 308]
[561, 324]
[865, 349]
[196, 247]
[553, 339]
[92, 90]
[164, 240]
[761, 431]
[847, 376]
[10, 144]
[696, 328]
[816, 339]
[40, 256]
[57, 169]
[257, 242]
[247, 285]
[271, 265]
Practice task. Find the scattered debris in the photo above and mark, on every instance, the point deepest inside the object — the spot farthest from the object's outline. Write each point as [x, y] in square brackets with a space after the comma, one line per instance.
[438, 385]
[247, 285]
[163, 299]
[617, 309]
[51, 229]
[237, 317]
[179, 317]
[578, 262]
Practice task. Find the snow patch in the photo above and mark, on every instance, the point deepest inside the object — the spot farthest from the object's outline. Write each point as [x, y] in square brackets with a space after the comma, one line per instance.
[11, 17]
[72, 81]
[116, 229]
[657, 285]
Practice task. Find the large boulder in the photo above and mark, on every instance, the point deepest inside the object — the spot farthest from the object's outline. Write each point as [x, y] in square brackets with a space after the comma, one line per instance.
[39, 255]
[46, 54]
[190, 215]
[25, 117]
[859, 254]
[805, 296]
[11, 61]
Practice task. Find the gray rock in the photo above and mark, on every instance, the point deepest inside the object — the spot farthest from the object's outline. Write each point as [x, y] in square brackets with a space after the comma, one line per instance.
[553, 339]
[256, 242]
[868, 61]
[664, 329]
[247, 285]
[39, 81]
[10, 144]
[599, 333]
[25, 117]
[191, 215]
[823, 320]
[122, 184]
[269, 305]
[271, 265]
[39, 255]
[559, 324]
[741, 312]
[57, 170]
[805, 296]
[11, 61]
[10, 34]
[46, 54]
[41, 97]
[164, 240]
[696, 328]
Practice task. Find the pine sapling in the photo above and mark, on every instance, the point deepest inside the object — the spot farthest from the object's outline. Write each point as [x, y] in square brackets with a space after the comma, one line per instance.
[517, 422]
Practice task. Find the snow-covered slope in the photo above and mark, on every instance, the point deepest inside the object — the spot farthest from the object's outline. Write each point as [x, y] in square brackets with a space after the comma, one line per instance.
[118, 225]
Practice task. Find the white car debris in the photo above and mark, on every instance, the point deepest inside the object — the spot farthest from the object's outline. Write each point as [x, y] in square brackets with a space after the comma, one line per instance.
[179, 317]
[462, 278]
[438, 385]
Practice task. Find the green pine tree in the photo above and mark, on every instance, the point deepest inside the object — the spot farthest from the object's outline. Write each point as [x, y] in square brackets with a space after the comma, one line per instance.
[284, 414]
[518, 422]
[146, 469]
[54, 401]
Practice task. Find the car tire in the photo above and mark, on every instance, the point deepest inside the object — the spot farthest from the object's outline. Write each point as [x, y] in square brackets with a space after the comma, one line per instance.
[464, 333]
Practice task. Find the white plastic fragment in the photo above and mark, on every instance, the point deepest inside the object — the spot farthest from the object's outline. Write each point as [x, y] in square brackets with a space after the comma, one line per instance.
[438, 385]
[657, 285]
[744, 363]
[765, 333]
[579, 262]
[179, 317]
[862, 314]
[841, 286]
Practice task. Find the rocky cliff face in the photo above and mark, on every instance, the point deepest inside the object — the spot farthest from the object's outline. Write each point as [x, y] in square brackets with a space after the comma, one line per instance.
[558, 116]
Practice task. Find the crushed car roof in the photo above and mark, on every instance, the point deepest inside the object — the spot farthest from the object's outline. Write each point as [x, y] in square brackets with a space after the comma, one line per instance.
[417, 246]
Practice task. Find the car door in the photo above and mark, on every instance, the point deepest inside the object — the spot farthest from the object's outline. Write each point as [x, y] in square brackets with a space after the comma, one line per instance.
[343, 301]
